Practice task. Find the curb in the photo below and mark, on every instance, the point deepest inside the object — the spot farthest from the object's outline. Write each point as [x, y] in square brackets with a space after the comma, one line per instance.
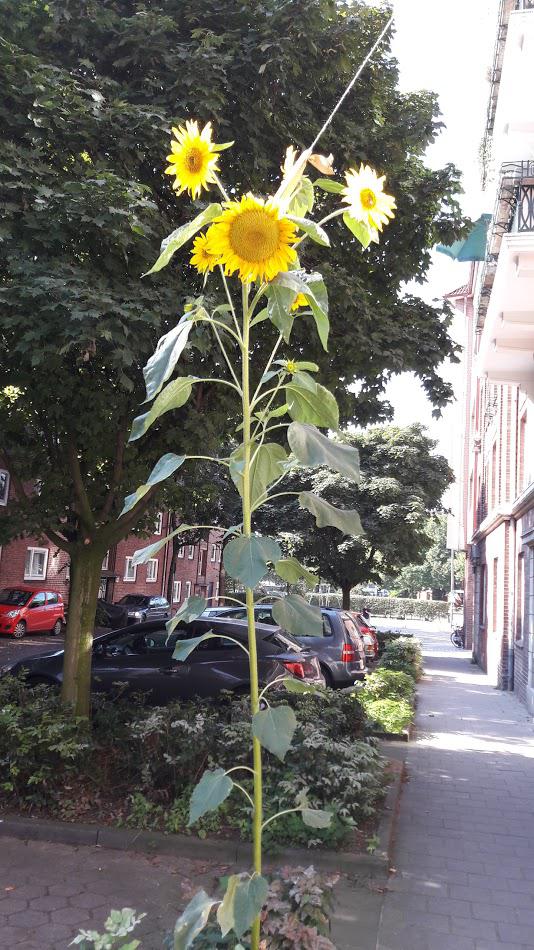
[156, 842]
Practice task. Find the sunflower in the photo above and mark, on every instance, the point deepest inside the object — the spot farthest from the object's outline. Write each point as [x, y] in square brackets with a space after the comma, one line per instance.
[252, 237]
[291, 367]
[299, 301]
[201, 257]
[364, 193]
[193, 158]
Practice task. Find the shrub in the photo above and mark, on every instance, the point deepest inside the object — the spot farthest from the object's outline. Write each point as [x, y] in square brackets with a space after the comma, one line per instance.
[402, 608]
[404, 655]
[388, 684]
[389, 715]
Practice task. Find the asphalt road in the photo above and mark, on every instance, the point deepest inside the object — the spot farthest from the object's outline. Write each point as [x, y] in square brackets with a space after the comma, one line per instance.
[12, 650]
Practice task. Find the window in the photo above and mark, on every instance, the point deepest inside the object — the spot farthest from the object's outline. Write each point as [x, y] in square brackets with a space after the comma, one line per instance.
[519, 597]
[105, 562]
[482, 605]
[188, 589]
[191, 552]
[159, 523]
[494, 478]
[36, 564]
[39, 600]
[203, 562]
[52, 598]
[213, 552]
[176, 592]
[521, 479]
[4, 487]
[130, 570]
[152, 569]
[219, 549]
[181, 550]
[495, 601]
[217, 591]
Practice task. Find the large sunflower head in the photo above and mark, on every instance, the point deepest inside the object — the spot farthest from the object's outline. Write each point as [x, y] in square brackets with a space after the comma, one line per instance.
[201, 257]
[193, 158]
[252, 237]
[367, 200]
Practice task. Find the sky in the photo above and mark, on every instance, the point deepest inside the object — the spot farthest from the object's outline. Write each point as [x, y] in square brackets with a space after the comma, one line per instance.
[446, 46]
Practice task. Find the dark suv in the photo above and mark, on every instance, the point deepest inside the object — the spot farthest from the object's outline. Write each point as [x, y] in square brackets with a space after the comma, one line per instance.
[142, 607]
[340, 650]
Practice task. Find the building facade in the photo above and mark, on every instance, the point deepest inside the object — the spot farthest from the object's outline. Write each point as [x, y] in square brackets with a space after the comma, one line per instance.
[197, 567]
[497, 475]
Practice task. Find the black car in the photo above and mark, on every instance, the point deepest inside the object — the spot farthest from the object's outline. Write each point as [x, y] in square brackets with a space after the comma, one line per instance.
[142, 607]
[140, 657]
[111, 615]
[340, 650]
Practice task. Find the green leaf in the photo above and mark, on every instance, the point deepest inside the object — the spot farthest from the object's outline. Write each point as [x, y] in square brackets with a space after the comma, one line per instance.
[303, 197]
[274, 728]
[250, 896]
[313, 230]
[142, 555]
[175, 394]
[246, 558]
[327, 516]
[313, 449]
[182, 235]
[319, 407]
[260, 317]
[167, 464]
[298, 617]
[210, 792]
[268, 465]
[184, 647]
[359, 229]
[328, 184]
[225, 910]
[279, 300]
[168, 351]
[316, 817]
[294, 685]
[192, 921]
[310, 367]
[313, 286]
[191, 608]
[291, 570]
[272, 413]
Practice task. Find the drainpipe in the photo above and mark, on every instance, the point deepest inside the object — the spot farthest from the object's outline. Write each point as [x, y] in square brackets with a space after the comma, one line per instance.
[511, 620]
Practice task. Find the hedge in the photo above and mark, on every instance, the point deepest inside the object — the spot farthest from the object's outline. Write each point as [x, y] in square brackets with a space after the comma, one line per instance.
[400, 608]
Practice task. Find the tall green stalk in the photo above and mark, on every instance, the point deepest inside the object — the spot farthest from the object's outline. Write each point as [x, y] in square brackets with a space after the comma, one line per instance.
[257, 819]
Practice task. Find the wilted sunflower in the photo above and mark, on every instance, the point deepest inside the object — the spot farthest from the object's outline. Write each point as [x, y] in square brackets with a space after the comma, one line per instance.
[252, 237]
[193, 158]
[201, 257]
[364, 193]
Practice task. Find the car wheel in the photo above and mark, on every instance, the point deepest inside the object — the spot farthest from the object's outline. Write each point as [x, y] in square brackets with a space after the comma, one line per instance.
[328, 678]
[57, 628]
[20, 630]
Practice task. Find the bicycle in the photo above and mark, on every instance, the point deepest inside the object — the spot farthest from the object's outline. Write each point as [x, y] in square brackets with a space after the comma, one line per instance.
[458, 638]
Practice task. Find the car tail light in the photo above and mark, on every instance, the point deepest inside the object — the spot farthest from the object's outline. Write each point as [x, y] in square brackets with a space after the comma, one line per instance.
[365, 629]
[304, 669]
[296, 668]
[348, 653]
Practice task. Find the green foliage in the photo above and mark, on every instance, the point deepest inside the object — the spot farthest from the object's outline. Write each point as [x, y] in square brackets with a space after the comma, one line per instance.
[404, 655]
[119, 924]
[434, 572]
[401, 608]
[384, 683]
[389, 715]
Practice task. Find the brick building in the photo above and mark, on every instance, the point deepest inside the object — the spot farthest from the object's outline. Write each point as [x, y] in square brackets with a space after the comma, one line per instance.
[497, 477]
[34, 562]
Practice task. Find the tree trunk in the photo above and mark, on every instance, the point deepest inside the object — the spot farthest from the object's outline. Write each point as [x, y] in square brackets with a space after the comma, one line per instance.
[177, 541]
[345, 594]
[85, 571]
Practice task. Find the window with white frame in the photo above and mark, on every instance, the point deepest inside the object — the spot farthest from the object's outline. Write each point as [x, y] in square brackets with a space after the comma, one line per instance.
[181, 550]
[105, 562]
[35, 564]
[219, 549]
[217, 591]
[188, 589]
[4, 486]
[130, 569]
[176, 592]
[213, 552]
[159, 523]
[152, 569]
[191, 552]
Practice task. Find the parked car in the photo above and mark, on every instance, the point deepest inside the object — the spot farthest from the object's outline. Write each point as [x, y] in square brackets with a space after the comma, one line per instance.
[141, 658]
[26, 610]
[367, 633]
[340, 650]
[143, 607]
[111, 615]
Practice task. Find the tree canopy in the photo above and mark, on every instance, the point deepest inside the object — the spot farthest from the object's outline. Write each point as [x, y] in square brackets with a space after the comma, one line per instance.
[434, 572]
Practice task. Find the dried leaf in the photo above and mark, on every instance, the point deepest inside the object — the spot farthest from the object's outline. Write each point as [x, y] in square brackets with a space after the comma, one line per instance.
[323, 163]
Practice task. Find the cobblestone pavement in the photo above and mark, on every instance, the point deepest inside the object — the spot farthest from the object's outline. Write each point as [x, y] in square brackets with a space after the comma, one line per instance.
[465, 842]
[48, 892]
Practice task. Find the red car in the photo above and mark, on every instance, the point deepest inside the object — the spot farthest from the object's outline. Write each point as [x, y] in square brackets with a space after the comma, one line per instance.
[368, 635]
[26, 610]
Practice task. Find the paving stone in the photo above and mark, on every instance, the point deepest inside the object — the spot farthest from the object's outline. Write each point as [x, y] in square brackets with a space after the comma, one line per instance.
[48, 903]
[90, 899]
[29, 919]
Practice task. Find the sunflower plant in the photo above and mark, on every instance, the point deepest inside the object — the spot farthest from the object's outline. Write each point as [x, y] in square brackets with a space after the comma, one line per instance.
[254, 242]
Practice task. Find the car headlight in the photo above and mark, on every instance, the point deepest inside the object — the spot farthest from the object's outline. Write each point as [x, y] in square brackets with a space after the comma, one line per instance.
[137, 614]
[13, 613]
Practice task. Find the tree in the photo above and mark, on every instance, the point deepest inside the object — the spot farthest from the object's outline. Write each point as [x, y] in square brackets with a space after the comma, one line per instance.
[402, 482]
[89, 93]
[434, 572]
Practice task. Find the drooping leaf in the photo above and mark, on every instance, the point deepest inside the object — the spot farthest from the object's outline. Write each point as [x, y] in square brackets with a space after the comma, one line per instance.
[313, 449]
[246, 558]
[210, 792]
[359, 229]
[168, 351]
[191, 608]
[326, 184]
[267, 466]
[313, 287]
[313, 230]
[182, 235]
[279, 300]
[225, 910]
[327, 516]
[323, 163]
[250, 896]
[316, 817]
[303, 198]
[294, 685]
[318, 408]
[291, 570]
[142, 555]
[167, 464]
[175, 394]
[297, 616]
[192, 921]
[274, 729]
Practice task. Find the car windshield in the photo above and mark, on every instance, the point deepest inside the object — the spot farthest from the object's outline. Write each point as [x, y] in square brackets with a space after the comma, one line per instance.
[12, 597]
[133, 599]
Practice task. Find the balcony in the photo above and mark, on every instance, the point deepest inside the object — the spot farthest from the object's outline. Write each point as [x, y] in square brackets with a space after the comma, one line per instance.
[506, 293]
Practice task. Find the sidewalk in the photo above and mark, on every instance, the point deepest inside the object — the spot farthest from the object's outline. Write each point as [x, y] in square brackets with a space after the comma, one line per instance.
[465, 841]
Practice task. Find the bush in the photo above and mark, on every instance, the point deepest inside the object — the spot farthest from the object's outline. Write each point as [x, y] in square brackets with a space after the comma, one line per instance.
[401, 608]
[389, 715]
[388, 684]
[404, 655]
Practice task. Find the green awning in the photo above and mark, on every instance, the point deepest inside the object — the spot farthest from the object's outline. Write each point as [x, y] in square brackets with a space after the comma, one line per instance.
[471, 248]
